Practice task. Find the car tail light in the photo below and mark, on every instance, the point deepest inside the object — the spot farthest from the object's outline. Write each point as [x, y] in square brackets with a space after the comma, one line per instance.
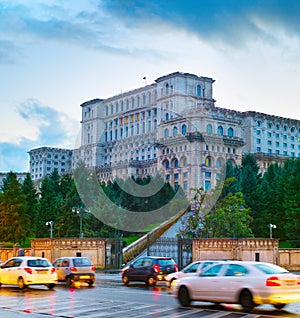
[156, 268]
[52, 270]
[298, 280]
[73, 269]
[28, 270]
[273, 281]
[176, 267]
[93, 268]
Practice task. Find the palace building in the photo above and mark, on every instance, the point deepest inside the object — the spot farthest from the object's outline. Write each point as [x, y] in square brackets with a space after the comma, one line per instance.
[172, 127]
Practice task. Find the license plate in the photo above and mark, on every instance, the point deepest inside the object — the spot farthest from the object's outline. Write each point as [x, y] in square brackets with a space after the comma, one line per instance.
[42, 272]
[84, 277]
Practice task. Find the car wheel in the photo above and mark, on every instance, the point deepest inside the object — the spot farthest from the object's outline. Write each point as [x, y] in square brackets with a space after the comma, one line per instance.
[125, 280]
[21, 283]
[151, 281]
[69, 282]
[246, 300]
[279, 306]
[91, 283]
[184, 296]
[50, 286]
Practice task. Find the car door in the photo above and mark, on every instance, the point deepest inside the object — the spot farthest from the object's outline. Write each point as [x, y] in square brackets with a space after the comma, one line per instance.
[233, 281]
[136, 270]
[9, 271]
[59, 270]
[206, 286]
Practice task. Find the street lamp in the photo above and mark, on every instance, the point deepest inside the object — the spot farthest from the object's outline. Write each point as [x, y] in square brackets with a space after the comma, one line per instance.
[80, 212]
[271, 226]
[51, 227]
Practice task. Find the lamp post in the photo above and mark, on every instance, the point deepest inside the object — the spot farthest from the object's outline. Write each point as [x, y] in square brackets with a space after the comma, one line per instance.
[80, 212]
[51, 227]
[271, 226]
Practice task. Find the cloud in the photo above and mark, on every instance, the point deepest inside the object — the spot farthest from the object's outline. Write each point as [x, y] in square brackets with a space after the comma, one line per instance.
[231, 22]
[53, 129]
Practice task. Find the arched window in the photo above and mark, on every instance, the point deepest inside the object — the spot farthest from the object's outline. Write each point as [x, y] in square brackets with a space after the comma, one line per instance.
[167, 116]
[230, 132]
[155, 123]
[175, 163]
[220, 131]
[183, 129]
[166, 134]
[208, 162]
[132, 102]
[121, 133]
[175, 131]
[144, 99]
[167, 89]
[166, 164]
[209, 129]
[219, 163]
[126, 131]
[116, 134]
[138, 128]
[131, 130]
[138, 101]
[198, 90]
[110, 133]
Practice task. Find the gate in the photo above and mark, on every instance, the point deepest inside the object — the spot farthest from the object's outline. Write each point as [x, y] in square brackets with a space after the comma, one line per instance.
[177, 248]
[113, 250]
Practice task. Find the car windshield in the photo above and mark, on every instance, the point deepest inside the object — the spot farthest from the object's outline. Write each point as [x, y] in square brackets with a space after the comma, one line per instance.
[271, 269]
[79, 262]
[38, 263]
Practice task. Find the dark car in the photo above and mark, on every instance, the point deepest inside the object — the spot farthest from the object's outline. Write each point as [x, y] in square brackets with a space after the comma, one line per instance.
[75, 269]
[149, 269]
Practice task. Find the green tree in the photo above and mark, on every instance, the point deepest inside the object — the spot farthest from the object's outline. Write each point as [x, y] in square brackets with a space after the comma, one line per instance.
[14, 223]
[49, 204]
[230, 218]
[30, 203]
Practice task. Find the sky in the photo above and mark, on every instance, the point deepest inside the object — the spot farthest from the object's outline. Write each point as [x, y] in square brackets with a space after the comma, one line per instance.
[57, 54]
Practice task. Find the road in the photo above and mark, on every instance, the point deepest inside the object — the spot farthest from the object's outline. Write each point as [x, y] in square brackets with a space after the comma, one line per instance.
[109, 298]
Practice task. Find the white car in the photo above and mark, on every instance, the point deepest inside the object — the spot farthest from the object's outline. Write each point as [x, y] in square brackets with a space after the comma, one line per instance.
[24, 271]
[190, 270]
[240, 282]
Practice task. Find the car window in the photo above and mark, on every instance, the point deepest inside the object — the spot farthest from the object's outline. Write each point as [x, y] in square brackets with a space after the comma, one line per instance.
[38, 263]
[138, 263]
[165, 262]
[193, 268]
[212, 271]
[270, 268]
[206, 265]
[79, 262]
[17, 262]
[57, 263]
[236, 270]
[9, 263]
[147, 262]
[65, 263]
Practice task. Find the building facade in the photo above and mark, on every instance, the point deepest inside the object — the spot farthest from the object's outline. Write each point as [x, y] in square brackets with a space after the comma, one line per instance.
[171, 127]
[43, 161]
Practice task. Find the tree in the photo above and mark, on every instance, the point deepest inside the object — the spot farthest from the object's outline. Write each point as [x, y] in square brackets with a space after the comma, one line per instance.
[230, 218]
[30, 203]
[14, 224]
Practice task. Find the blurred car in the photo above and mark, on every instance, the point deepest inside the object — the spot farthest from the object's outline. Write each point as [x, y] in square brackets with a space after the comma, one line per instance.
[24, 271]
[149, 269]
[240, 282]
[75, 269]
[190, 270]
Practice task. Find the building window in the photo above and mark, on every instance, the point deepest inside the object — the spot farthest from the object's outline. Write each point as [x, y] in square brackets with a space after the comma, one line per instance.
[185, 185]
[167, 116]
[269, 134]
[198, 90]
[257, 132]
[183, 129]
[167, 89]
[258, 140]
[208, 174]
[175, 131]
[209, 129]
[258, 123]
[258, 149]
[207, 185]
[230, 132]
[166, 133]
[220, 131]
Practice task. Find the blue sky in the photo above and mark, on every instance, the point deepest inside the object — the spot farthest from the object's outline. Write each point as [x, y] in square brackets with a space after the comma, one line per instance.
[57, 54]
